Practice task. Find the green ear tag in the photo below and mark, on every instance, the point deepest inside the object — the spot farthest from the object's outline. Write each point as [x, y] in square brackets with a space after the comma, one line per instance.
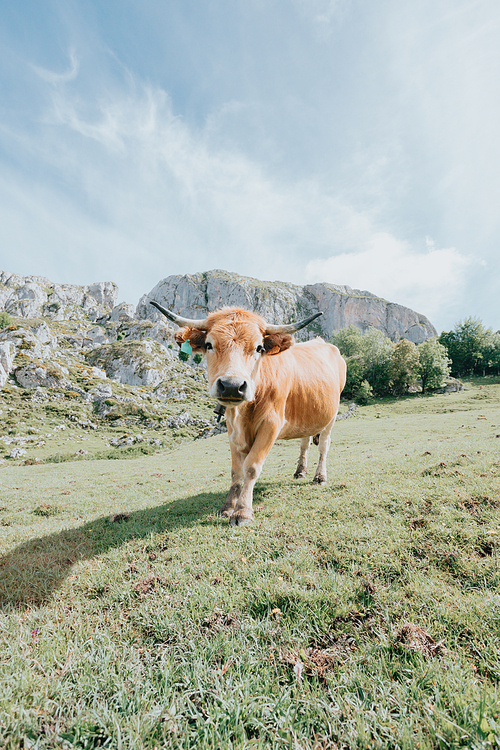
[186, 347]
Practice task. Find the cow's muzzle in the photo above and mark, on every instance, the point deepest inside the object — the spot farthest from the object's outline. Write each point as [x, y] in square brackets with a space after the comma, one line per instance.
[231, 390]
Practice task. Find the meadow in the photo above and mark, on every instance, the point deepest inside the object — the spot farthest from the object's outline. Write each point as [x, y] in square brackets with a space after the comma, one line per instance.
[361, 614]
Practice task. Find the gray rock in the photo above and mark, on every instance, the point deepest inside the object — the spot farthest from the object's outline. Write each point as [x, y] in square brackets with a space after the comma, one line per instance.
[36, 296]
[133, 363]
[451, 385]
[194, 296]
[17, 453]
[33, 376]
[7, 355]
[123, 313]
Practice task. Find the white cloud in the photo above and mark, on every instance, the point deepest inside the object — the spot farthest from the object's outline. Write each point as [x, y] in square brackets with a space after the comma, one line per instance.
[425, 281]
[56, 78]
[136, 175]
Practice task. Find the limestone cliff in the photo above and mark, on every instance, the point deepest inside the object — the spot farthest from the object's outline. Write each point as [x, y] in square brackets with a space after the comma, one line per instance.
[195, 295]
[36, 296]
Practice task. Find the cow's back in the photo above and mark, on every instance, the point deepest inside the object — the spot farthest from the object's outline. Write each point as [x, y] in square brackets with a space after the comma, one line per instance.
[306, 381]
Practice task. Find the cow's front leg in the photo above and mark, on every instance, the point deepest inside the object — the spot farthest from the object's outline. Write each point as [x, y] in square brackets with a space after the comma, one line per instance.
[237, 477]
[252, 467]
[301, 470]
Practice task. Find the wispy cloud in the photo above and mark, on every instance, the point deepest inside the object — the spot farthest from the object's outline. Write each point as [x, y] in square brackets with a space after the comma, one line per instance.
[153, 187]
[54, 78]
[153, 177]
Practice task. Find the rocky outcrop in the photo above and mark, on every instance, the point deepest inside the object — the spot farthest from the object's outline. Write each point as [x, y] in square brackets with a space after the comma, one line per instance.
[142, 363]
[36, 296]
[195, 295]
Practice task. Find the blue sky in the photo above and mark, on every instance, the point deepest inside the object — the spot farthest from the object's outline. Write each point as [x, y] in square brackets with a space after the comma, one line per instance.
[345, 141]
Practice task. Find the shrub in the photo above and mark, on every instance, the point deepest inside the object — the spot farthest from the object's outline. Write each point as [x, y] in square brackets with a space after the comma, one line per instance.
[183, 356]
[364, 393]
[5, 320]
[197, 358]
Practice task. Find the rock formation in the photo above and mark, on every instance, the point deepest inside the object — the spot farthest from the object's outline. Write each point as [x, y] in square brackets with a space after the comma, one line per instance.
[195, 295]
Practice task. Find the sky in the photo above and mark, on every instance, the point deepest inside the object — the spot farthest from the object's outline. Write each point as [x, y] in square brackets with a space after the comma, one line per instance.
[341, 141]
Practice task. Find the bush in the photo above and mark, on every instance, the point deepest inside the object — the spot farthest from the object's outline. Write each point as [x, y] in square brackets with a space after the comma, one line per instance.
[5, 320]
[364, 394]
[197, 359]
[183, 356]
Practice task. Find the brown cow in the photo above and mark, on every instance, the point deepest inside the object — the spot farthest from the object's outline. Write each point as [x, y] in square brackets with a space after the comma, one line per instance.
[271, 387]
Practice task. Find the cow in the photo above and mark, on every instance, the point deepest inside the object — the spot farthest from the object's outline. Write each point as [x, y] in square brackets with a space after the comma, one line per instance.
[271, 388]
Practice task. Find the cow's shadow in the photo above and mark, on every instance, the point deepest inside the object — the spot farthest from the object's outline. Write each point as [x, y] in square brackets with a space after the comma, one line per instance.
[31, 572]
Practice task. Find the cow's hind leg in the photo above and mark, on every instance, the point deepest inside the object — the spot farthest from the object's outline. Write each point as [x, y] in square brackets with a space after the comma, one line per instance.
[324, 446]
[301, 470]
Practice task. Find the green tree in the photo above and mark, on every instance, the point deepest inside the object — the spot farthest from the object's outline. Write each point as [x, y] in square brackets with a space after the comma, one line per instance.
[377, 353]
[355, 375]
[434, 364]
[491, 353]
[467, 345]
[349, 341]
[405, 366]
[364, 394]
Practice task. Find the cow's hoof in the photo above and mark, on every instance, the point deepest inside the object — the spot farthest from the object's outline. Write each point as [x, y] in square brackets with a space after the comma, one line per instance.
[300, 475]
[225, 512]
[319, 480]
[238, 520]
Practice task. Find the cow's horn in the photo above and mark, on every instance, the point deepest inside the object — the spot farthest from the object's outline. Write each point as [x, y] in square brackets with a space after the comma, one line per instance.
[292, 327]
[181, 322]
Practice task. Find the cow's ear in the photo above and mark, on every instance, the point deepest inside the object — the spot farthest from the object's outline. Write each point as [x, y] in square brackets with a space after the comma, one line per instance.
[274, 343]
[195, 337]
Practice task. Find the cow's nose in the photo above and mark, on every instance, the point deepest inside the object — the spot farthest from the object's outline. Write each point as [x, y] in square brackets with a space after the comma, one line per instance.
[231, 388]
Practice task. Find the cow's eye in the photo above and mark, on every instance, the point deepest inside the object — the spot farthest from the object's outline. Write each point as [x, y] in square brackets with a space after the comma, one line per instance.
[259, 349]
[208, 346]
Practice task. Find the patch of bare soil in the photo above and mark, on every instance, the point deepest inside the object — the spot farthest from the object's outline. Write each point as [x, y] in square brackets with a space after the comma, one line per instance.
[417, 639]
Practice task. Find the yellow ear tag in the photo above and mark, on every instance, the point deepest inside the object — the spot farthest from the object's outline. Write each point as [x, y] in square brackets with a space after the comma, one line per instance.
[186, 347]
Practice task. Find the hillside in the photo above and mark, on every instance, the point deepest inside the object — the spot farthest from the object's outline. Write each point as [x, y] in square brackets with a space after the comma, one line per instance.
[83, 376]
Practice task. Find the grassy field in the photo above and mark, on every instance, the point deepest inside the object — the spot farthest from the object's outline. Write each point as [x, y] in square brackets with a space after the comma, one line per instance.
[362, 614]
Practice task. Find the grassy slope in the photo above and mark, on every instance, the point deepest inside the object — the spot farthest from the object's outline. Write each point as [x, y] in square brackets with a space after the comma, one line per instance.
[170, 629]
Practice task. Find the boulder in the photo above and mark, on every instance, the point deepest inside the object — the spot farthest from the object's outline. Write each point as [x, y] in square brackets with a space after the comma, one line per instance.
[35, 375]
[139, 363]
[7, 355]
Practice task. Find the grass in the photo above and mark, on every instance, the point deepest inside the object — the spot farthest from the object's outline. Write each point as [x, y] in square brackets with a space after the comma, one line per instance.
[65, 427]
[362, 614]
